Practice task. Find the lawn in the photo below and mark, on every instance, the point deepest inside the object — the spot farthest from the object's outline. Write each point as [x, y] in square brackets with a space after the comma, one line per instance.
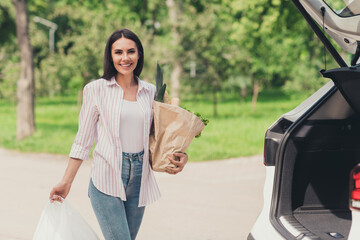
[236, 131]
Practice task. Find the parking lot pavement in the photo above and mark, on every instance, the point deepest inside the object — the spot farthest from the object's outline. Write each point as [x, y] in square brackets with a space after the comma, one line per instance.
[213, 200]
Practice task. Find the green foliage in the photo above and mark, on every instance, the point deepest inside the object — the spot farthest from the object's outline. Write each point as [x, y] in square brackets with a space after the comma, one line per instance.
[232, 43]
[9, 56]
[83, 28]
[7, 22]
[282, 48]
[202, 118]
[203, 42]
[205, 120]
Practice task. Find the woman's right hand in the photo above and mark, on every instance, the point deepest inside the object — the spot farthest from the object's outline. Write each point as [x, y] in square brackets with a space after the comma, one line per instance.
[61, 190]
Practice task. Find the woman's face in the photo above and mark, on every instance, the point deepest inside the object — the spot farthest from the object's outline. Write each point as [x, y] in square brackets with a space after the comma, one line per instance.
[125, 55]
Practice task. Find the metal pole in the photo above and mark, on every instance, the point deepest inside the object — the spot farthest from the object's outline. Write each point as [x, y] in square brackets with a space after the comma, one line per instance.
[52, 39]
[192, 69]
[53, 26]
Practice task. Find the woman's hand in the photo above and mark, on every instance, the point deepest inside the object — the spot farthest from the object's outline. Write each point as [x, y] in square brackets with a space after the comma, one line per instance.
[61, 190]
[180, 164]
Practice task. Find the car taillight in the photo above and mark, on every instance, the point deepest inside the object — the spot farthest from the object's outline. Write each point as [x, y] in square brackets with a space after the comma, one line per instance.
[355, 188]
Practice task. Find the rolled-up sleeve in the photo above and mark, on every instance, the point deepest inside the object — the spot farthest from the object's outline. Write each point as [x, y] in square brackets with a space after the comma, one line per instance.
[87, 131]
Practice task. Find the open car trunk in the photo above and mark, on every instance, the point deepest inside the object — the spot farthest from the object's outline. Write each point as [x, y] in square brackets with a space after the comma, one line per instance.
[318, 151]
[314, 183]
[326, 153]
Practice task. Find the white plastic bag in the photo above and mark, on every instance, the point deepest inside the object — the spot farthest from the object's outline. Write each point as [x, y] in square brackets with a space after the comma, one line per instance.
[59, 221]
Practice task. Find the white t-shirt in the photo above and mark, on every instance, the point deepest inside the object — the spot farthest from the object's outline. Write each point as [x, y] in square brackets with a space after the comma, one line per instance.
[131, 127]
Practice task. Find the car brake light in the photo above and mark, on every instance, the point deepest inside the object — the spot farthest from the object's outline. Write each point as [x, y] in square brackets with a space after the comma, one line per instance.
[355, 187]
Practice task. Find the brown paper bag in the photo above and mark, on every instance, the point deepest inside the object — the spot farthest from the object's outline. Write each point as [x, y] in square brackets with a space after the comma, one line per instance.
[174, 129]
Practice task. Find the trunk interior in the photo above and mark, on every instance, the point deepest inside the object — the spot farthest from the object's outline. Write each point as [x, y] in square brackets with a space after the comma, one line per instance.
[319, 156]
[320, 190]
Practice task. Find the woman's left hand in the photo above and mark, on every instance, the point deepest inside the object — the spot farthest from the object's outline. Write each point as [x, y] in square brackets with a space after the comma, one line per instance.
[179, 164]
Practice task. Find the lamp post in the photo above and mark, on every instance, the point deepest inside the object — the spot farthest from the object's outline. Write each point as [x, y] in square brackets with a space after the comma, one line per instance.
[53, 26]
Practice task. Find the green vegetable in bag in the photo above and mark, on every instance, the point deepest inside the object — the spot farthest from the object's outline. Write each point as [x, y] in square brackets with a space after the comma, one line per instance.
[160, 87]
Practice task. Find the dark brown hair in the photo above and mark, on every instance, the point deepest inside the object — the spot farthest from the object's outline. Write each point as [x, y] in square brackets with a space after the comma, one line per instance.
[109, 69]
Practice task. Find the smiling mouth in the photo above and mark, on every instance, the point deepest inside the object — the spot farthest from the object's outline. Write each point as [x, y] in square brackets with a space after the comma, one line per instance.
[126, 65]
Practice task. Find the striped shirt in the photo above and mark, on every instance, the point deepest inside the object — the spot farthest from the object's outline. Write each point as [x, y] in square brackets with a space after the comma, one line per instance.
[99, 121]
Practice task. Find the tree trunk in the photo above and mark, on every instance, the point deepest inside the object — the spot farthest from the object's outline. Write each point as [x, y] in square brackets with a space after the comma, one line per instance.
[255, 95]
[214, 100]
[243, 93]
[25, 85]
[177, 70]
[175, 79]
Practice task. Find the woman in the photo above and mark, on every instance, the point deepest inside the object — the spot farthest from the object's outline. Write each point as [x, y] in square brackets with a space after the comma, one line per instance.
[117, 114]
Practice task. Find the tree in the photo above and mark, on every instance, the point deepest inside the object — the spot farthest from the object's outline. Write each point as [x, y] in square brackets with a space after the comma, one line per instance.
[25, 85]
[282, 48]
[205, 29]
[175, 10]
[9, 57]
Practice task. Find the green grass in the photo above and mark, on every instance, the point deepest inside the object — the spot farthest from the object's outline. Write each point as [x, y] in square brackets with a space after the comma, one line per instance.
[237, 131]
[56, 126]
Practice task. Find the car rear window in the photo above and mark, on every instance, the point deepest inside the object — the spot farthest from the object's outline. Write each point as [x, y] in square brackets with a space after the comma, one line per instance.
[344, 8]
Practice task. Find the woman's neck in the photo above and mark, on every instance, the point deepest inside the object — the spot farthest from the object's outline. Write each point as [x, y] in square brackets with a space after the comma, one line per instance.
[126, 81]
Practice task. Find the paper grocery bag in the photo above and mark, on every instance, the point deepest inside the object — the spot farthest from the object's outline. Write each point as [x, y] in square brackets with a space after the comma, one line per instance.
[174, 129]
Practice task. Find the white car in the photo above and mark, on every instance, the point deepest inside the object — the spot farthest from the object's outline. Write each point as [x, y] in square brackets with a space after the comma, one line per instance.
[310, 151]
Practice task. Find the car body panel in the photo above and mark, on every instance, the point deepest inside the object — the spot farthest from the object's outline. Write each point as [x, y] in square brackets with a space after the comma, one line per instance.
[303, 107]
[338, 111]
[355, 229]
[344, 30]
[262, 228]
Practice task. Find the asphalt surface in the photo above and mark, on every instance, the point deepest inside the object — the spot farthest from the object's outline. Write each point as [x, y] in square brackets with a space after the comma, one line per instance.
[213, 200]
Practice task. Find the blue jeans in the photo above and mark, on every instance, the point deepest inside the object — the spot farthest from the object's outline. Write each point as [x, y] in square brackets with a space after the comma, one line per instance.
[120, 220]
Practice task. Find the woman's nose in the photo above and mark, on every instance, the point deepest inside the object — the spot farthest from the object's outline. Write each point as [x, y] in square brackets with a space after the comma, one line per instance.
[125, 56]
